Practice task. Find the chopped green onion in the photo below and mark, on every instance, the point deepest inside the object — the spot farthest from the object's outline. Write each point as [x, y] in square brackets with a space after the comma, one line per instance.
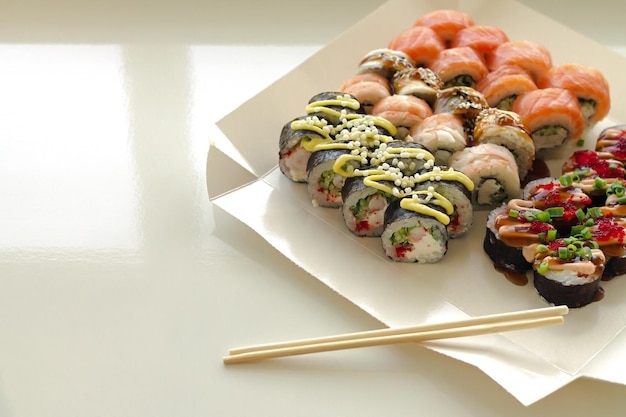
[541, 248]
[543, 217]
[621, 200]
[599, 184]
[551, 235]
[513, 213]
[580, 214]
[565, 180]
[529, 215]
[580, 143]
[594, 212]
[555, 211]
[563, 253]
[543, 267]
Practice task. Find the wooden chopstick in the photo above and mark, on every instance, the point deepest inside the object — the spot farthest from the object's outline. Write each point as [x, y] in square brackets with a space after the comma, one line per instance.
[467, 327]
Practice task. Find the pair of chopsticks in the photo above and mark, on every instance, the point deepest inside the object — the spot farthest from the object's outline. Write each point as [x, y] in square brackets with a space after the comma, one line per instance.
[494, 323]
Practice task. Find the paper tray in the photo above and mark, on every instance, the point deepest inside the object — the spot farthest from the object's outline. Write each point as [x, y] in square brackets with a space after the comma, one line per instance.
[530, 364]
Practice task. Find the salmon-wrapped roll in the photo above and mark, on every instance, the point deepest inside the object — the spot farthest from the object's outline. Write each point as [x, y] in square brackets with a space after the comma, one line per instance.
[587, 83]
[505, 128]
[420, 82]
[483, 39]
[445, 22]
[502, 86]
[552, 115]
[420, 43]
[532, 56]
[460, 66]
[403, 112]
[385, 62]
[442, 134]
[369, 88]
[492, 169]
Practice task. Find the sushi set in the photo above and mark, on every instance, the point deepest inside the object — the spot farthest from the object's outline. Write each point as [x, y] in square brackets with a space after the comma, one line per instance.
[449, 118]
[465, 282]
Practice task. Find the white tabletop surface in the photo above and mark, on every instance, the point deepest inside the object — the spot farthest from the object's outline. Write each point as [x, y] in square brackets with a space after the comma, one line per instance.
[117, 297]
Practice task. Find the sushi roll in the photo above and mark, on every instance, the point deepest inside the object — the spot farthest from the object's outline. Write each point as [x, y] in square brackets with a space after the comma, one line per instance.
[461, 101]
[483, 39]
[442, 134]
[502, 86]
[408, 157]
[507, 233]
[457, 188]
[413, 230]
[588, 85]
[461, 66]
[420, 82]
[333, 106]
[492, 169]
[505, 128]
[531, 56]
[552, 115]
[421, 43]
[364, 207]
[385, 62]
[567, 271]
[446, 22]
[368, 88]
[613, 140]
[293, 157]
[323, 183]
[593, 172]
[403, 111]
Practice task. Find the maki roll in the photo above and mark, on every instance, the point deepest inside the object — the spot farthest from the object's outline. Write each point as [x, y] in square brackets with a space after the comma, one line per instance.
[364, 207]
[445, 22]
[385, 62]
[551, 115]
[587, 83]
[403, 111]
[293, 156]
[492, 169]
[531, 56]
[460, 66]
[613, 140]
[442, 134]
[505, 128]
[420, 82]
[421, 43]
[567, 271]
[333, 106]
[483, 39]
[502, 86]
[369, 88]
[413, 229]
[323, 183]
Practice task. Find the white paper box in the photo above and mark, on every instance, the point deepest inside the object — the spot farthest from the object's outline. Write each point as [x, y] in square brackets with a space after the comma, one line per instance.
[530, 364]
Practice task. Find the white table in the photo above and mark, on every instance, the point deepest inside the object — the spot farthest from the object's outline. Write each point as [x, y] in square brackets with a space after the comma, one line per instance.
[117, 297]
